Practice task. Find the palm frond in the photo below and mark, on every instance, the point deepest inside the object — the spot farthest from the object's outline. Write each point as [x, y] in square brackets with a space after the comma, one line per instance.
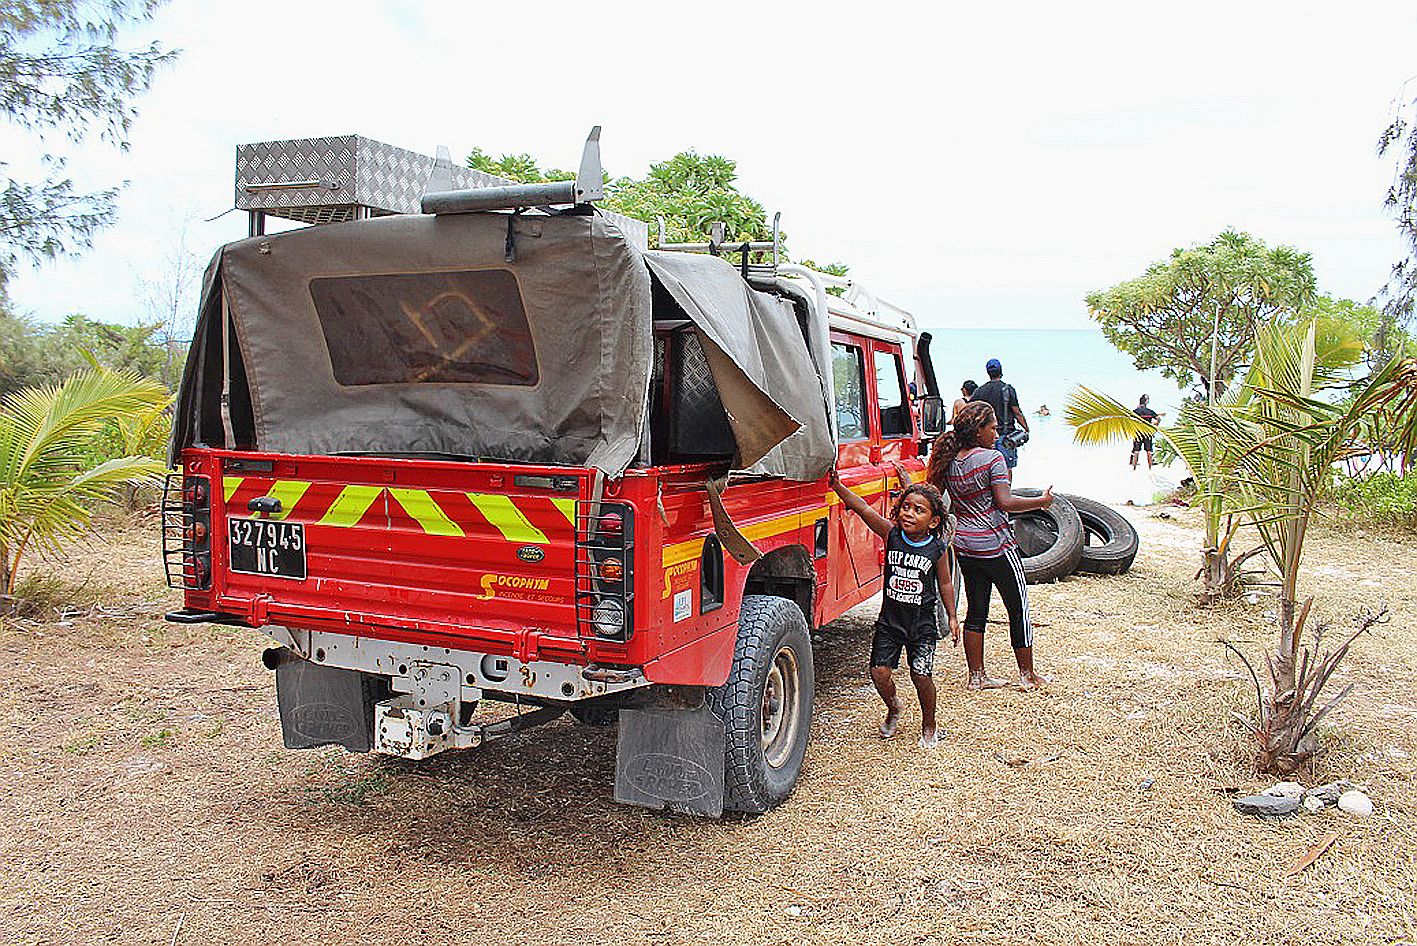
[1098, 419]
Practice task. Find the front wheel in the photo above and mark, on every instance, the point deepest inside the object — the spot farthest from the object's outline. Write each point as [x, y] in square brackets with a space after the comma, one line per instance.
[766, 705]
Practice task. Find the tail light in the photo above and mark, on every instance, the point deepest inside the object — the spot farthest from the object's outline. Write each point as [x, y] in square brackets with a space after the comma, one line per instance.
[605, 585]
[186, 531]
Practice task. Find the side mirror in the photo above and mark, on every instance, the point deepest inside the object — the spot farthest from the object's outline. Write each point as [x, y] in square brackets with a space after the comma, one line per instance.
[932, 416]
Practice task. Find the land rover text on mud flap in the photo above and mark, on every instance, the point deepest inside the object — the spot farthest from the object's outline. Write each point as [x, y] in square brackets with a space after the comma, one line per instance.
[484, 453]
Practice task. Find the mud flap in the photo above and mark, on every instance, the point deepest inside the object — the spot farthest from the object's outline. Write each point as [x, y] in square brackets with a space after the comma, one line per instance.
[671, 759]
[321, 706]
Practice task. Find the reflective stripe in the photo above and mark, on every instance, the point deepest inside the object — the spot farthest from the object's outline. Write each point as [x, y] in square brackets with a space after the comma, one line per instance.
[350, 506]
[509, 520]
[289, 493]
[681, 552]
[766, 530]
[428, 514]
[568, 509]
[230, 484]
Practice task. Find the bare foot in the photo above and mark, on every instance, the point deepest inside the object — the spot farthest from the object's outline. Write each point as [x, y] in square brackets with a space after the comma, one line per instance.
[1033, 680]
[982, 681]
[929, 739]
[892, 720]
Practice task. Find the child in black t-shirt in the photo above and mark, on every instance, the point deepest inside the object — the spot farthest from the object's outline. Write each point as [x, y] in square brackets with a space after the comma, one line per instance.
[917, 568]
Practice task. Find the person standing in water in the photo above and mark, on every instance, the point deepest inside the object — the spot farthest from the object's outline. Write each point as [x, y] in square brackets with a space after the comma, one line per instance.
[965, 464]
[1144, 443]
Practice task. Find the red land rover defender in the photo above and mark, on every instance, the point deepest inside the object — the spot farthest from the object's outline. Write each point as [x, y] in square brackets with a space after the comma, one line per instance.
[500, 450]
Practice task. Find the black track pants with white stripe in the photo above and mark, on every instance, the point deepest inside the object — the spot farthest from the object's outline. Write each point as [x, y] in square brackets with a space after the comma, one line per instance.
[1004, 572]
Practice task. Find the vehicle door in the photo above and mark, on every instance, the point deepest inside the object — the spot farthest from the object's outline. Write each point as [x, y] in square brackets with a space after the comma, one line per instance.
[858, 464]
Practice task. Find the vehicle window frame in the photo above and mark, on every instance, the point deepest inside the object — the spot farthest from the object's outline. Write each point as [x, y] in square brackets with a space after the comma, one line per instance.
[866, 400]
[893, 351]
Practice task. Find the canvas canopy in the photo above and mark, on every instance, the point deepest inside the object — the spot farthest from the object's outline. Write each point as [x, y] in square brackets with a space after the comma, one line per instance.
[761, 357]
[415, 335]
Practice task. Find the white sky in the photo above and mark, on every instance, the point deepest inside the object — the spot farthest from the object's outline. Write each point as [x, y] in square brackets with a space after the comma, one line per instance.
[981, 166]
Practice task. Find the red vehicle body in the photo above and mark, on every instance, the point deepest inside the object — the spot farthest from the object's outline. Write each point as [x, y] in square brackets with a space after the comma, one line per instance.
[403, 591]
[425, 552]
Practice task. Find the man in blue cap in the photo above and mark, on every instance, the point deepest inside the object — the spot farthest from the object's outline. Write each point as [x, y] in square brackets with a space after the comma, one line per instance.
[1001, 396]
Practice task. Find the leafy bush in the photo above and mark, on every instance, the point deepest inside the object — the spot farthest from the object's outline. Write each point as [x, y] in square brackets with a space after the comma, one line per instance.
[1380, 499]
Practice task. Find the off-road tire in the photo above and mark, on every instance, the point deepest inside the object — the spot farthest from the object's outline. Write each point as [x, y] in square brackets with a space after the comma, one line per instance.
[771, 633]
[1050, 540]
[1110, 542]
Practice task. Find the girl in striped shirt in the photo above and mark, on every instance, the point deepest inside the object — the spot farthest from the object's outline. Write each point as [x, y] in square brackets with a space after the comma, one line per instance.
[965, 466]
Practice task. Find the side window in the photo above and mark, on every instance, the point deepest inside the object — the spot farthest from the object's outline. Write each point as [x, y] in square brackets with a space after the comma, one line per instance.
[890, 395]
[849, 381]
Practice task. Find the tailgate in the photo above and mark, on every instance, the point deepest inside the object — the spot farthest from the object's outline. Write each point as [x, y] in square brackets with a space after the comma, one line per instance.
[472, 544]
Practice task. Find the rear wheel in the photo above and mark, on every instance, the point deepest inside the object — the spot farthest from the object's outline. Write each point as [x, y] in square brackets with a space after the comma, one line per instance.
[766, 705]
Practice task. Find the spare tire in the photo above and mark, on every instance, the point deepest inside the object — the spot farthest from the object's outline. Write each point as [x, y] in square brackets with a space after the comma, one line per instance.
[1110, 543]
[1049, 540]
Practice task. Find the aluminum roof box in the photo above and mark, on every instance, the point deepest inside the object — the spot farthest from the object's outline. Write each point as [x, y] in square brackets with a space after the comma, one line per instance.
[331, 180]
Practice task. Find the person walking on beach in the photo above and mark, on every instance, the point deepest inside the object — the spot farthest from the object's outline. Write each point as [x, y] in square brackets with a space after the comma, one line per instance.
[966, 391]
[917, 574]
[1144, 443]
[1001, 396]
[965, 465]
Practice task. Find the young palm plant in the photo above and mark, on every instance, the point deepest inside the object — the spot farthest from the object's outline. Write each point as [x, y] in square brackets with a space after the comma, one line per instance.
[1286, 439]
[47, 486]
[1098, 419]
[1266, 452]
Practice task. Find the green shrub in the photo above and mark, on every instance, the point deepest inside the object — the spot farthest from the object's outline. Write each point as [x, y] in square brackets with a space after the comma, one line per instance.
[1380, 499]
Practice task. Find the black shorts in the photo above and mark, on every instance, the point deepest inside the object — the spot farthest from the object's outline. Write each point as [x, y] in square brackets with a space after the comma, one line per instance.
[1140, 444]
[888, 642]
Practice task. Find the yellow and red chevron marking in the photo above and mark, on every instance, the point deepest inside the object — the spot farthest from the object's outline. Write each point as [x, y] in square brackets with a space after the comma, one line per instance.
[523, 520]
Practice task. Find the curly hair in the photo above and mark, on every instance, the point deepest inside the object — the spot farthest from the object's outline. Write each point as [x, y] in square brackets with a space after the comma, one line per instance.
[971, 419]
[939, 505]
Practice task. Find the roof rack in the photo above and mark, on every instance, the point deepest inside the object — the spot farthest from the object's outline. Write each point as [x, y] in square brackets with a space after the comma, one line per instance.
[349, 177]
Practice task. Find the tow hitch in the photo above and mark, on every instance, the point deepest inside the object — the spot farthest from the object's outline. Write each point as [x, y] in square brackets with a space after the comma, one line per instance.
[427, 718]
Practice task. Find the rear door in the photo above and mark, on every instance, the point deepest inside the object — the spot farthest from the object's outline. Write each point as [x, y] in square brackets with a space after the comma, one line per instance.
[472, 545]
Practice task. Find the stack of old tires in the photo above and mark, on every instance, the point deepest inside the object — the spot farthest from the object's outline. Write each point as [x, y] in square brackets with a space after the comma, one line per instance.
[1074, 534]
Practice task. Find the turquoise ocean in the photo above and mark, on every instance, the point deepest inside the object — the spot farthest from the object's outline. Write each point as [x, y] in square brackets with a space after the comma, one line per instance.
[1044, 365]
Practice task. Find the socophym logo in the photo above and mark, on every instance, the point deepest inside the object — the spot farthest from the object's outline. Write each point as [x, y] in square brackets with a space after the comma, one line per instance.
[530, 553]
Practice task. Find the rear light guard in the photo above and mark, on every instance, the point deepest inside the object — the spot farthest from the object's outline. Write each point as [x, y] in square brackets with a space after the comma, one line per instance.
[187, 531]
[605, 578]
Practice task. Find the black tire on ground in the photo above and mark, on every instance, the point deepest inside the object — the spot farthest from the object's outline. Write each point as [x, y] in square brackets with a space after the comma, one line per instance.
[1049, 540]
[1111, 542]
[593, 714]
[766, 704]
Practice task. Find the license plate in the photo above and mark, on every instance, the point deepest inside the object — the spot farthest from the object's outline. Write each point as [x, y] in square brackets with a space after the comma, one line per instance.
[264, 547]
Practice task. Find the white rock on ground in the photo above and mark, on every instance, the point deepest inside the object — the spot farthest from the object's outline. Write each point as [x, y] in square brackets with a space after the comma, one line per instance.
[1356, 803]
[1285, 790]
[1313, 804]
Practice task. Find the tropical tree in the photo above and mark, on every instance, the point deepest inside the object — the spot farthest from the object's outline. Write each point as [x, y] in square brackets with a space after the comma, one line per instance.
[1399, 296]
[47, 484]
[689, 192]
[1194, 315]
[61, 70]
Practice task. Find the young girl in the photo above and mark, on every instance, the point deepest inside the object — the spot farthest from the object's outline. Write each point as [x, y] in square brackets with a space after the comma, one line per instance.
[965, 465]
[917, 568]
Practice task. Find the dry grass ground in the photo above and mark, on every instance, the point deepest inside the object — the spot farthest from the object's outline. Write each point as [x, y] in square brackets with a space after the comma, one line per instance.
[145, 796]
